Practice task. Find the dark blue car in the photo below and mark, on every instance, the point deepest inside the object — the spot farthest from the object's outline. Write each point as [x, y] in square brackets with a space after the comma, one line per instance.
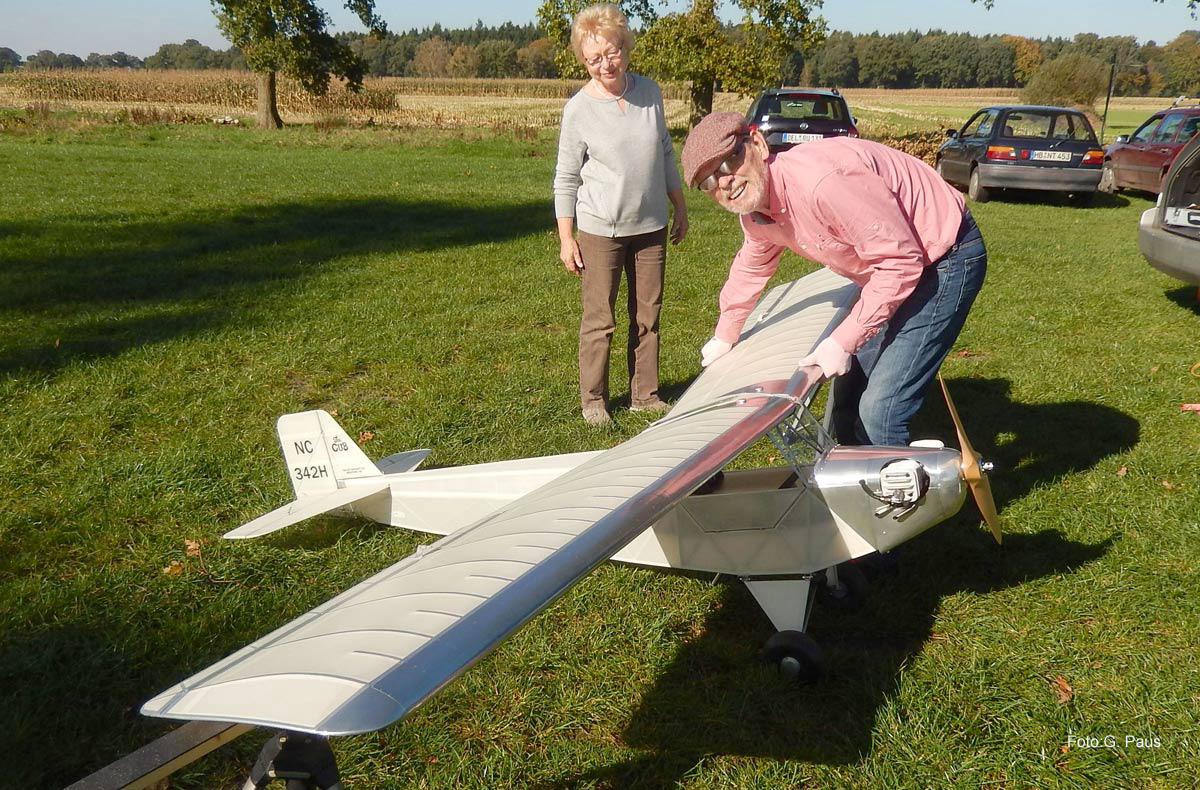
[1023, 147]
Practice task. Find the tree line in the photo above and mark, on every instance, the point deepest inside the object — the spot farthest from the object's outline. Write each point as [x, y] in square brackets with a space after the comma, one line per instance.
[938, 59]
[933, 59]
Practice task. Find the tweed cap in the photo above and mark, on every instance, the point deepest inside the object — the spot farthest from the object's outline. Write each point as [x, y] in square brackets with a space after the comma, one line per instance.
[707, 145]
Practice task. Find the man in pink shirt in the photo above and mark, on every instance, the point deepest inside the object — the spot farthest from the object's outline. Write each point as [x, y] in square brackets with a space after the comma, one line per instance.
[879, 217]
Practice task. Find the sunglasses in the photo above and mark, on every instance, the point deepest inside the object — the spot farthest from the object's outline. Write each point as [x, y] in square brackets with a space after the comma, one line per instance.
[727, 167]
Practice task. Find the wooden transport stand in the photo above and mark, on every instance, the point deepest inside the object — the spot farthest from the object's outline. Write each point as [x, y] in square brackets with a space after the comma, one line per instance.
[156, 761]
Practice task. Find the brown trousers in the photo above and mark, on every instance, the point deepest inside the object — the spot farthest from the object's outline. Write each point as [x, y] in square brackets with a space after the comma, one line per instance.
[642, 258]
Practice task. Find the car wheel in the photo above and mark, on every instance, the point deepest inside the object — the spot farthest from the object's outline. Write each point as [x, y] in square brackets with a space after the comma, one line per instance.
[1108, 180]
[975, 190]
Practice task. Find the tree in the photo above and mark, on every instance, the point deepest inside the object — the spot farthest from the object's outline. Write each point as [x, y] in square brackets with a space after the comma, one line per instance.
[695, 46]
[9, 60]
[537, 59]
[1073, 79]
[883, 61]
[47, 60]
[838, 62]
[432, 58]
[689, 47]
[497, 58]
[1182, 60]
[464, 62]
[191, 54]
[289, 36]
[1027, 58]
[117, 60]
[997, 62]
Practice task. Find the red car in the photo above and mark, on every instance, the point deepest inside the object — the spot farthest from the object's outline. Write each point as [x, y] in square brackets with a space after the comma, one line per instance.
[1140, 160]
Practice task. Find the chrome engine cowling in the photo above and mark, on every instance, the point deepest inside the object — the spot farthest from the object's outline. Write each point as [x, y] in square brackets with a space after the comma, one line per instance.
[889, 494]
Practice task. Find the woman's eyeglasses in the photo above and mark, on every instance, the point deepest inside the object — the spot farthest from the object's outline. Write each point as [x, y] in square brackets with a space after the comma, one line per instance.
[613, 56]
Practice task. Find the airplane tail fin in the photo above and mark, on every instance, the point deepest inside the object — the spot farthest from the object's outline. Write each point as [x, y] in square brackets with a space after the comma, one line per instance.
[328, 471]
[319, 454]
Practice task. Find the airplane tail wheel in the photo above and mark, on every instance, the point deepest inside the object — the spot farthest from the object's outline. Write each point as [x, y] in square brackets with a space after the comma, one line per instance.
[850, 590]
[974, 469]
[796, 655]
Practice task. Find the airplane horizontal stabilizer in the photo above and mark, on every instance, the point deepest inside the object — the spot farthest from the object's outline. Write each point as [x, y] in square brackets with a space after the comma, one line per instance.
[402, 462]
[300, 509]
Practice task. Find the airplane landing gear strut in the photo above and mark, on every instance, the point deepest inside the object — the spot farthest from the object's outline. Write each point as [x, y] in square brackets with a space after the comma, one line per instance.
[303, 761]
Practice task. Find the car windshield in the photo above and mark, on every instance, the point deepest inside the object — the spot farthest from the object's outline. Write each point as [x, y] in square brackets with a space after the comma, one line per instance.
[809, 107]
[1047, 125]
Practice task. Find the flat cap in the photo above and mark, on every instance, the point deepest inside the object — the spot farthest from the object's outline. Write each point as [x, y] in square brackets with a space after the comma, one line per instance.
[710, 142]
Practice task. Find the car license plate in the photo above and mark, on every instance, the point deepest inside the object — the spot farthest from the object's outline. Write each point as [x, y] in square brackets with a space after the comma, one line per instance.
[1182, 217]
[1051, 156]
[793, 137]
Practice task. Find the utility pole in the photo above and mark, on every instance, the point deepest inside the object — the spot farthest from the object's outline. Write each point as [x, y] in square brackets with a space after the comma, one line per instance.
[1112, 75]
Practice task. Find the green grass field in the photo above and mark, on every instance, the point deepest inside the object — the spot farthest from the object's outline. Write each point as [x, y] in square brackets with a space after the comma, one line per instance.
[166, 292]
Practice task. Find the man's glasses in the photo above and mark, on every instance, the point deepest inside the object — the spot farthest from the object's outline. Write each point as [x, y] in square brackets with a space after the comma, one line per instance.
[726, 168]
[612, 57]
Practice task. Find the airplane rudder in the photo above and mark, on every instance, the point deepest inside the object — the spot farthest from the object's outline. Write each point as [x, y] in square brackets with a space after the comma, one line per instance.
[348, 459]
[309, 465]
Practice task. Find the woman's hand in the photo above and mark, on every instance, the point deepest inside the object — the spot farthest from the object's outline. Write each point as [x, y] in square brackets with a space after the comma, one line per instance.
[568, 253]
[679, 226]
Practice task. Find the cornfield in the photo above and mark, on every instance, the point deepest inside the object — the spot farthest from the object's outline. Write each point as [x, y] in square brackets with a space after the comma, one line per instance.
[400, 101]
[910, 120]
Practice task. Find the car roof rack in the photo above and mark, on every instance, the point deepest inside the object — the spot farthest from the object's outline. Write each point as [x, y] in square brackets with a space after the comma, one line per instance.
[1195, 100]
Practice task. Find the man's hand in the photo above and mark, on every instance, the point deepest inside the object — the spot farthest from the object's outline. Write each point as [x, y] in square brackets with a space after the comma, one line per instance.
[713, 350]
[830, 357]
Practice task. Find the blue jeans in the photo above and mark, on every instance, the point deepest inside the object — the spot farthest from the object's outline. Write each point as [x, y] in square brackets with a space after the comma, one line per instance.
[875, 401]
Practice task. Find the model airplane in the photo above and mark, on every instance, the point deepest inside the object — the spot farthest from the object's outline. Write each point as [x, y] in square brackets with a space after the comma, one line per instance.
[520, 533]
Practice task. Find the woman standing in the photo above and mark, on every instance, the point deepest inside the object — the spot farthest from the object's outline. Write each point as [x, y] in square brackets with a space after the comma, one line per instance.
[615, 173]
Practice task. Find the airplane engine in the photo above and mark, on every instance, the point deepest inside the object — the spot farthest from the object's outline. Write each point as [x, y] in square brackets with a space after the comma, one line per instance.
[908, 490]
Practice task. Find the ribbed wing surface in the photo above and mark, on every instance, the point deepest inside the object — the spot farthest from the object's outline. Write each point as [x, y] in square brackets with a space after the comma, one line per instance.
[368, 657]
[788, 322]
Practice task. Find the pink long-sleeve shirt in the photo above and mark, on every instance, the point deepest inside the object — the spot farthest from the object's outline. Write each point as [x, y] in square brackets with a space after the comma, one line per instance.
[872, 214]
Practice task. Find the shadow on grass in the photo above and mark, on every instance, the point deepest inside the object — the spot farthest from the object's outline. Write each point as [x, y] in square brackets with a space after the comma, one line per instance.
[1187, 297]
[1031, 444]
[717, 699]
[1041, 197]
[164, 279]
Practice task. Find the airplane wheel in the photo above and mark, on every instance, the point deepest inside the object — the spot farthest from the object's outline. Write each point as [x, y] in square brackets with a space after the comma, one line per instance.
[851, 589]
[796, 655]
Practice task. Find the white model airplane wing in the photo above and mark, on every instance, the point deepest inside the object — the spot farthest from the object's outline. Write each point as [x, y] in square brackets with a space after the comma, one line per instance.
[787, 323]
[369, 656]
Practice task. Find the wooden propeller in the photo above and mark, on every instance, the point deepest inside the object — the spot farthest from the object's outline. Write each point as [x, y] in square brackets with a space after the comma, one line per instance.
[974, 470]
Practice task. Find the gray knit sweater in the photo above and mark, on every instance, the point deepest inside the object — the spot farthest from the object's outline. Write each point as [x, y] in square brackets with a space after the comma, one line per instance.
[615, 168]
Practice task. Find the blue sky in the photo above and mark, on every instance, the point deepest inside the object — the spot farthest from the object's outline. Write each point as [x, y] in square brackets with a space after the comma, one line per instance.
[138, 27]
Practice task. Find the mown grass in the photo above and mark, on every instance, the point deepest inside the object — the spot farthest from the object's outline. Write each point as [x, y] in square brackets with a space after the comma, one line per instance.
[167, 292]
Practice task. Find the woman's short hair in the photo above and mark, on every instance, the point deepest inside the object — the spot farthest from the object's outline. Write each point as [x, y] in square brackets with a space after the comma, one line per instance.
[604, 20]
